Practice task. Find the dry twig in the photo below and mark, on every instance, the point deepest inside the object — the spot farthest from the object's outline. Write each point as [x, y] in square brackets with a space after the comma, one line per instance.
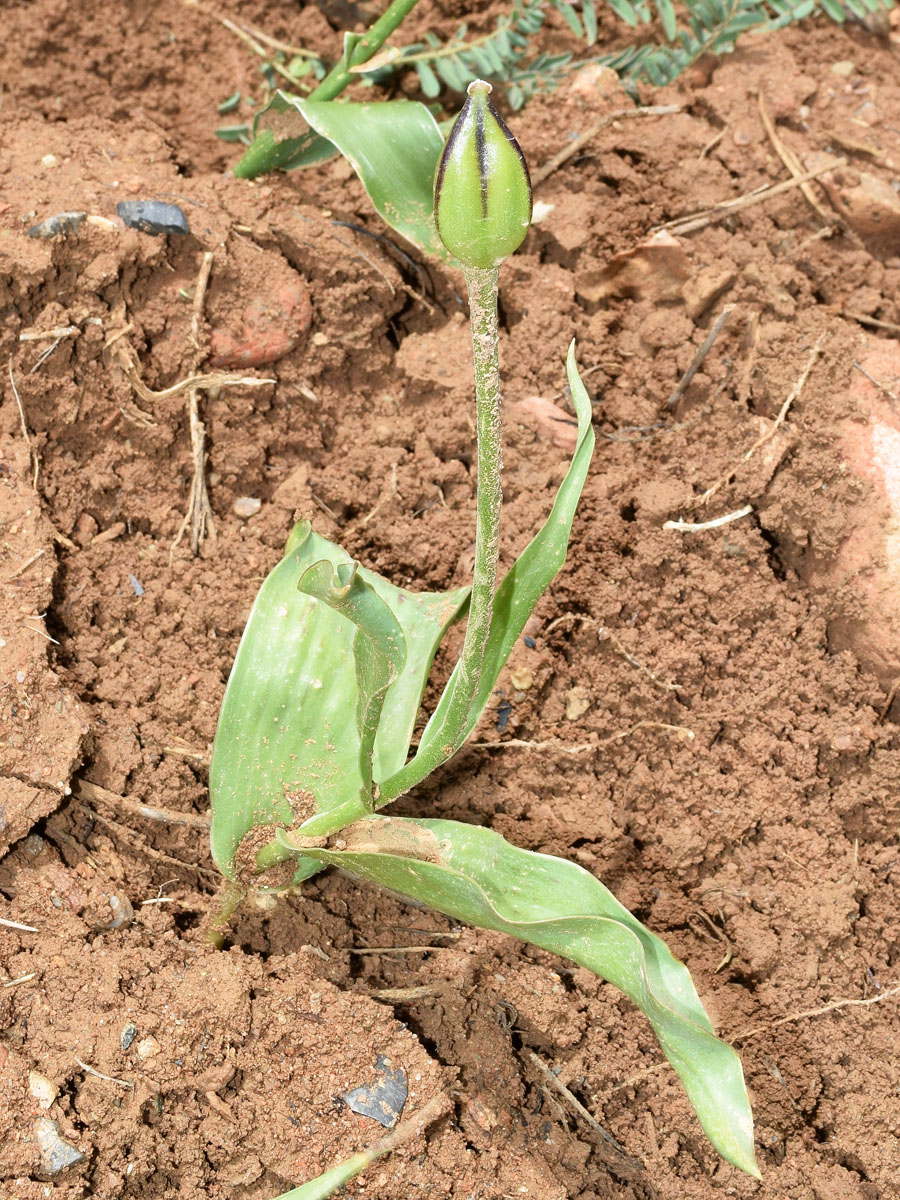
[701, 354]
[199, 514]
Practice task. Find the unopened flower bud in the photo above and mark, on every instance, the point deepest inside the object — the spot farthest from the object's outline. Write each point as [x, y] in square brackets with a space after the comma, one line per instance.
[482, 192]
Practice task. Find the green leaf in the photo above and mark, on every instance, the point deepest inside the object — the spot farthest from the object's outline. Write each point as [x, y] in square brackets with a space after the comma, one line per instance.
[589, 16]
[379, 648]
[666, 12]
[284, 745]
[282, 140]
[233, 133]
[570, 16]
[625, 11]
[834, 10]
[429, 82]
[453, 73]
[393, 147]
[229, 105]
[473, 875]
[523, 586]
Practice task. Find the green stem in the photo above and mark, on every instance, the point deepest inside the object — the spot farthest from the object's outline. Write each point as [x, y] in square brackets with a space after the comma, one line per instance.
[444, 737]
[340, 76]
[444, 740]
[265, 154]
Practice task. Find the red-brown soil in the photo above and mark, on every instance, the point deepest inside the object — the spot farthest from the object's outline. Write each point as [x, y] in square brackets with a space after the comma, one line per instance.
[699, 738]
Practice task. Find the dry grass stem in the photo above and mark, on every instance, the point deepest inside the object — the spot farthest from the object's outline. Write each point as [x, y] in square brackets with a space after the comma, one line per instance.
[699, 220]
[36, 462]
[872, 321]
[623, 114]
[790, 160]
[188, 752]
[624, 1161]
[18, 925]
[833, 1006]
[94, 794]
[24, 567]
[881, 386]
[520, 743]
[605, 634]
[769, 433]
[20, 979]
[125, 1083]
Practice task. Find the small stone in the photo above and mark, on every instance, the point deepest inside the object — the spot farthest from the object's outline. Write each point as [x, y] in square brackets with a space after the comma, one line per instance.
[123, 913]
[49, 160]
[578, 701]
[43, 1090]
[136, 586]
[57, 226]
[599, 87]
[521, 678]
[153, 217]
[56, 1153]
[246, 506]
[128, 1034]
[148, 1047]
[254, 325]
[845, 68]
[86, 528]
[384, 1100]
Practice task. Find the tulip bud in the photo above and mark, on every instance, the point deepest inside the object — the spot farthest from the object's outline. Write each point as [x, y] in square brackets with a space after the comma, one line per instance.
[482, 192]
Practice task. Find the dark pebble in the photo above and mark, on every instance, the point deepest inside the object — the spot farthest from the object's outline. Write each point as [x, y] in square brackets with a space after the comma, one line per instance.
[153, 217]
[504, 708]
[58, 226]
[529, 642]
[383, 1101]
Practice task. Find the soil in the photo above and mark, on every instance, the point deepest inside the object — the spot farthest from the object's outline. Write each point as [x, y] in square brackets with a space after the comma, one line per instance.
[683, 719]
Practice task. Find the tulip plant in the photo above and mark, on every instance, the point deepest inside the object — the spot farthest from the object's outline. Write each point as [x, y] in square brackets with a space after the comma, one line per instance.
[314, 735]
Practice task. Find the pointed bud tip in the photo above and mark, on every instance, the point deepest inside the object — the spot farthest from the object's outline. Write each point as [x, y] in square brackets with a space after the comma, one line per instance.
[482, 192]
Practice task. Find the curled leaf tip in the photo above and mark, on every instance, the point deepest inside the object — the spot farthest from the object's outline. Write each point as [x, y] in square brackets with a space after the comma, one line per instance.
[482, 190]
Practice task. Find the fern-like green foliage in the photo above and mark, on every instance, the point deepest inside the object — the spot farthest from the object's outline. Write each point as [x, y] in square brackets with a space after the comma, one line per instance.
[505, 56]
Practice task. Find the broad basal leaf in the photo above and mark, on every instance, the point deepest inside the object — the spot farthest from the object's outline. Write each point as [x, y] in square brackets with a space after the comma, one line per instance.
[473, 875]
[289, 741]
[393, 147]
